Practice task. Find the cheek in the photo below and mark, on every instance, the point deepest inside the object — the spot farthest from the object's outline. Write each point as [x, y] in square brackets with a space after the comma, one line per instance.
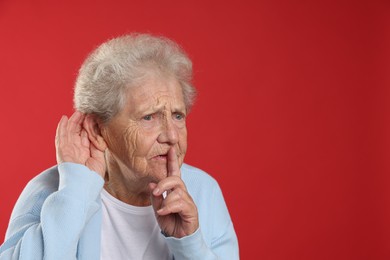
[129, 143]
[121, 140]
[182, 143]
[112, 139]
[139, 141]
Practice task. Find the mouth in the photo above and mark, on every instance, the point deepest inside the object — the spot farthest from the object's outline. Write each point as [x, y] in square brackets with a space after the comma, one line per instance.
[160, 157]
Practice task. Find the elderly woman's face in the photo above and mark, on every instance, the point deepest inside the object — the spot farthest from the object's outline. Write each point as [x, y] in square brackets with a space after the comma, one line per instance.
[152, 121]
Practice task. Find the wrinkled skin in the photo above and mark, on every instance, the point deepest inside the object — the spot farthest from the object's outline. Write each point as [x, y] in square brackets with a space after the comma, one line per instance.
[139, 152]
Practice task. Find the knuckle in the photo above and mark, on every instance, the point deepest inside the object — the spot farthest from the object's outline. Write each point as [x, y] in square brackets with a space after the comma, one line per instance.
[177, 178]
[181, 205]
[167, 208]
[180, 193]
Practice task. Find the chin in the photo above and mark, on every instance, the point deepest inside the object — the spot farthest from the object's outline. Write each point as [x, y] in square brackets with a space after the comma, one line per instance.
[158, 173]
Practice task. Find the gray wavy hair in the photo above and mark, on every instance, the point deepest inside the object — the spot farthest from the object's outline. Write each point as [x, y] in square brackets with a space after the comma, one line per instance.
[127, 61]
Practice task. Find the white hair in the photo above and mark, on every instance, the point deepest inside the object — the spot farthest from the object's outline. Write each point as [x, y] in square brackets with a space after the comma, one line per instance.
[127, 61]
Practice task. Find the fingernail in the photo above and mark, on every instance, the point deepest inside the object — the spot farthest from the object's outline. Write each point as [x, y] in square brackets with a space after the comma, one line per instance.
[160, 210]
[156, 190]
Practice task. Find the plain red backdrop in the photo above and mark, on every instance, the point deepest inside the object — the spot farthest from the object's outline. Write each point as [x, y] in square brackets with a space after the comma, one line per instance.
[292, 116]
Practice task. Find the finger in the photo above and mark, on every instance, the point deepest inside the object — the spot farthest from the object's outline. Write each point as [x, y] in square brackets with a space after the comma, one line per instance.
[177, 203]
[173, 163]
[61, 136]
[84, 138]
[75, 122]
[61, 129]
[95, 152]
[169, 184]
[173, 196]
[156, 200]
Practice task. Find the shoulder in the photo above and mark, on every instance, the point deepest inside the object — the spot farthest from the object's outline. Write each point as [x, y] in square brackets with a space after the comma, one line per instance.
[46, 182]
[36, 191]
[199, 184]
[208, 198]
[193, 176]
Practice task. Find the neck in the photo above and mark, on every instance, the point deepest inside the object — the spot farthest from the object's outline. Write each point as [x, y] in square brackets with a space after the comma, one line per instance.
[123, 184]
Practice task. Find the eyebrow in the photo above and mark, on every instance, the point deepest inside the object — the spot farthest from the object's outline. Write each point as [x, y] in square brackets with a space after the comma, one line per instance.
[143, 110]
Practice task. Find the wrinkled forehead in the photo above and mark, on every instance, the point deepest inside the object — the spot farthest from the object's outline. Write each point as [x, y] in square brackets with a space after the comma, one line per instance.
[156, 93]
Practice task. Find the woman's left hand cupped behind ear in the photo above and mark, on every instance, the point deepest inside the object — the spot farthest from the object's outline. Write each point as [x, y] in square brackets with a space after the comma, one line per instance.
[73, 144]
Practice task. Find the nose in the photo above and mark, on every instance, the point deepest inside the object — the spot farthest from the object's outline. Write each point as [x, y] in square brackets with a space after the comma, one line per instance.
[169, 133]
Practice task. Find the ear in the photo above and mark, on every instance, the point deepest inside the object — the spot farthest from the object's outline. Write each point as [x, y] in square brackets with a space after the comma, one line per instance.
[91, 125]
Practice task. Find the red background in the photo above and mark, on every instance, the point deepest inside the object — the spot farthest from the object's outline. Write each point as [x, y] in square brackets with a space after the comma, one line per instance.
[292, 116]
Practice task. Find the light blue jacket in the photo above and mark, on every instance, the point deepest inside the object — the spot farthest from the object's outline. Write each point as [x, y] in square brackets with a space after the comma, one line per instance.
[58, 216]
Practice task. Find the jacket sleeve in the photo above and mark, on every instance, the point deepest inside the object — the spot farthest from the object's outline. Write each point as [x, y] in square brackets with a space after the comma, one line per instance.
[46, 226]
[222, 242]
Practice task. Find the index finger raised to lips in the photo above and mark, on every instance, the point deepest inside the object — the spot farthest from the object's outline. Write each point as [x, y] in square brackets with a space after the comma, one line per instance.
[173, 163]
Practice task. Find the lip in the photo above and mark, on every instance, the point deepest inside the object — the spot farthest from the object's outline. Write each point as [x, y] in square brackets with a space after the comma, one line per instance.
[160, 157]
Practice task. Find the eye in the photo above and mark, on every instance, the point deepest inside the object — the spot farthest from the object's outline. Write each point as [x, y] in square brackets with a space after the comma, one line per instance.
[178, 116]
[148, 117]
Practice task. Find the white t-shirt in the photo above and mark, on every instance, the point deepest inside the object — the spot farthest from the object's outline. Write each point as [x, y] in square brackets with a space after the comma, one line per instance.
[130, 232]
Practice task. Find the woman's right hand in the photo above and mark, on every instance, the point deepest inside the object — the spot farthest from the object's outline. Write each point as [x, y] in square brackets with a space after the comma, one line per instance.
[73, 144]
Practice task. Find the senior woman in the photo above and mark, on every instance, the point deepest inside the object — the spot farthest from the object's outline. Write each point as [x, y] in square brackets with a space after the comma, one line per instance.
[120, 189]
